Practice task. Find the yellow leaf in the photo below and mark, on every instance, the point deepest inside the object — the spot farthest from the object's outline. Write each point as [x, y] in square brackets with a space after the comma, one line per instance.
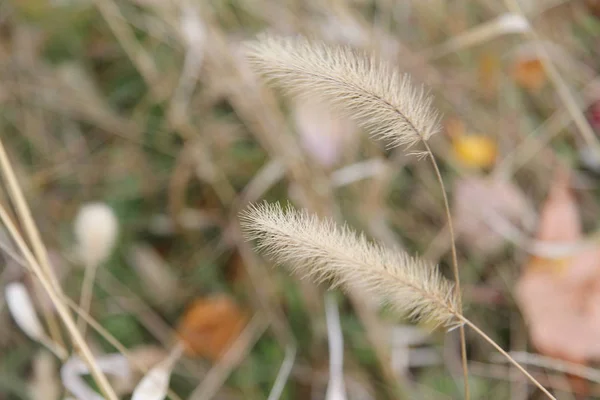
[475, 150]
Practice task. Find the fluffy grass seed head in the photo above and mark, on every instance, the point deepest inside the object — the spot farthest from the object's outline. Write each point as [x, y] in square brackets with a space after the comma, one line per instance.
[363, 87]
[323, 251]
[96, 228]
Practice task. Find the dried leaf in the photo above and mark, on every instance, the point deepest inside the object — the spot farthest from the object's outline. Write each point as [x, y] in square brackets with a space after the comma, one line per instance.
[210, 325]
[529, 73]
[475, 151]
[475, 199]
[560, 299]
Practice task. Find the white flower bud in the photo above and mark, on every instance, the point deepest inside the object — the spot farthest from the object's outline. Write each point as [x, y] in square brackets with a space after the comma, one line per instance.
[96, 228]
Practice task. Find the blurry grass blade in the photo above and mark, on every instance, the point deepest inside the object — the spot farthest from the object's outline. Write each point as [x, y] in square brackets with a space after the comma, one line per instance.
[23, 312]
[335, 388]
[504, 24]
[44, 384]
[156, 275]
[192, 27]
[193, 31]
[284, 373]
[72, 371]
[155, 385]
[358, 171]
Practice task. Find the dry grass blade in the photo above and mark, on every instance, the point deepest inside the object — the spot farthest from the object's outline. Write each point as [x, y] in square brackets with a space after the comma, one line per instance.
[320, 250]
[365, 88]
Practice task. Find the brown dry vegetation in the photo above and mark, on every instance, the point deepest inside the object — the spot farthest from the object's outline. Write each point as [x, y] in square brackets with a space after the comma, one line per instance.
[151, 107]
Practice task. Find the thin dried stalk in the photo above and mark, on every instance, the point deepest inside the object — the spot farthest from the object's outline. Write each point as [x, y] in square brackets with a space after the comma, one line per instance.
[56, 298]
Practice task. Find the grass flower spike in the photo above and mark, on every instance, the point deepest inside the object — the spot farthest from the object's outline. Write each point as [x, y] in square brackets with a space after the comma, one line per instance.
[364, 88]
[322, 251]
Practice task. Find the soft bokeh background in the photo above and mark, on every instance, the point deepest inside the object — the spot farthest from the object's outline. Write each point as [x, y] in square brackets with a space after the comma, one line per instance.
[150, 107]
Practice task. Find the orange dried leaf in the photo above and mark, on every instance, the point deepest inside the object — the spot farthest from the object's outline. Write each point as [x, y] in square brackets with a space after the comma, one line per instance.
[210, 326]
[475, 150]
[529, 74]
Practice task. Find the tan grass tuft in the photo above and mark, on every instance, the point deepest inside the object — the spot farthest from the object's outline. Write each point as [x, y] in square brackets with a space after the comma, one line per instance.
[323, 251]
[365, 88]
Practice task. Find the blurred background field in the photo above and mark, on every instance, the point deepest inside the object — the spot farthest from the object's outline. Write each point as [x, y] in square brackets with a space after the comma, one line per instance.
[150, 107]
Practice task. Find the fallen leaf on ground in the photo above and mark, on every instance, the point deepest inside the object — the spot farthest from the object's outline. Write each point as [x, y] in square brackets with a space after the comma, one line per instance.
[210, 326]
[471, 150]
[476, 151]
[529, 73]
[560, 298]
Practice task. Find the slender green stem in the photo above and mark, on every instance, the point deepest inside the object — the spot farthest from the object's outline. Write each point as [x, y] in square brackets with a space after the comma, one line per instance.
[463, 342]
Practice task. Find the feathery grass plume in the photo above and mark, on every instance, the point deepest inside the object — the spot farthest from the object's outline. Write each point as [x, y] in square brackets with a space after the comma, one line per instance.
[365, 88]
[321, 250]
